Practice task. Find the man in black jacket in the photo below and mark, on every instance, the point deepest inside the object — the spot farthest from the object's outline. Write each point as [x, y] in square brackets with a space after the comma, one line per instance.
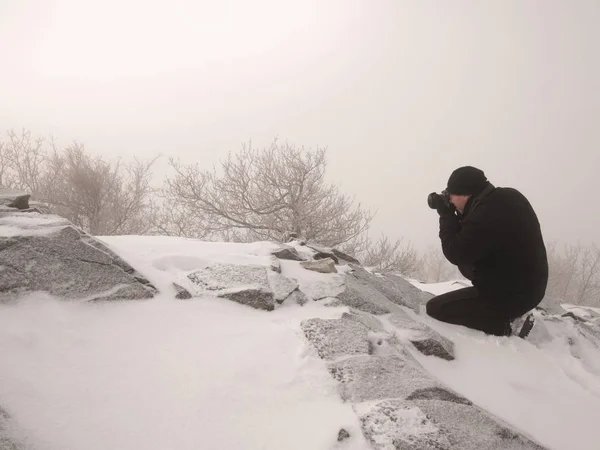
[493, 235]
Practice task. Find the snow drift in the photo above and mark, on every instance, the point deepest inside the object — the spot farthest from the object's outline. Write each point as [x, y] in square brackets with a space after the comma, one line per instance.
[340, 360]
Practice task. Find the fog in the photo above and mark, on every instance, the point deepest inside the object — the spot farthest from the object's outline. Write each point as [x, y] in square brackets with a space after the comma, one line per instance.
[400, 92]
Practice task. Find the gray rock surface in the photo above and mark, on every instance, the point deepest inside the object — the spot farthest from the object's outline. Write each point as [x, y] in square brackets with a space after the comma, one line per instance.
[432, 347]
[366, 319]
[288, 253]
[367, 294]
[326, 265]
[275, 265]
[46, 253]
[248, 285]
[297, 297]
[344, 256]
[281, 286]
[470, 428]
[396, 289]
[329, 255]
[14, 198]
[343, 435]
[182, 293]
[335, 338]
[431, 424]
[218, 277]
[437, 393]
[363, 297]
[324, 286]
[397, 425]
[255, 297]
[322, 252]
[425, 340]
[375, 378]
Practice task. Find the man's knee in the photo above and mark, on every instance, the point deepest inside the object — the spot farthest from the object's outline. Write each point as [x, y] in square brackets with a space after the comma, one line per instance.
[434, 308]
[454, 303]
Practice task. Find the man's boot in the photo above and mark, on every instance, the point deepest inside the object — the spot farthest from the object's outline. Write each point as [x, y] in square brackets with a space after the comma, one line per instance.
[522, 326]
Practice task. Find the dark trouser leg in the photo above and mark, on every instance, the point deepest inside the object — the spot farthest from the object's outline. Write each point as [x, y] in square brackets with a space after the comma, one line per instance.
[467, 307]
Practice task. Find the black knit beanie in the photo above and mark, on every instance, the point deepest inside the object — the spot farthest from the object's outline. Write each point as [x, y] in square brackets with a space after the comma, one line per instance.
[467, 180]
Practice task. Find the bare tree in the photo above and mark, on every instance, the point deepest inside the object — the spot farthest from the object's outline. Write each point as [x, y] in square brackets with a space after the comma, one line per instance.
[265, 194]
[174, 219]
[101, 197]
[387, 256]
[574, 273]
[437, 268]
[4, 165]
[588, 286]
[562, 269]
[22, 160]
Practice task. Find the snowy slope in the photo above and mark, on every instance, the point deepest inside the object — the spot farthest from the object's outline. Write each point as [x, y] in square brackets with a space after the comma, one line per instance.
[212, 374]
[547, 385]
[165, 373]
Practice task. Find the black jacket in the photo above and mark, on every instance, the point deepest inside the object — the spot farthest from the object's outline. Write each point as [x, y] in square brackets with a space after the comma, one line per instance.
[498, 244]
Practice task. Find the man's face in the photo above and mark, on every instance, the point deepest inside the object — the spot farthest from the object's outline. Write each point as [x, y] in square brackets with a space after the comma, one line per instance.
[459, 201]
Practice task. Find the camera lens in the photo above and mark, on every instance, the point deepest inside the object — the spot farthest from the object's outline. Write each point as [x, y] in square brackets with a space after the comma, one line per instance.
[432, 200]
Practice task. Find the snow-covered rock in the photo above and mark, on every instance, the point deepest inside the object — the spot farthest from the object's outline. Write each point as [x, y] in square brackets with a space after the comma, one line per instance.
[368, 378]
[395, 288]
[323, 252]
[437, 424]
[287, 252]
[335, 338]
[393, 425]
[363, 297]
[588, 313]
[244, 284]
[315, 285]
[181, 292]
[325, 265]
[252, 285]
[344, 256]
[400, 404]
[281, 286]
[12, 198]
[297, 297]
[47, 253]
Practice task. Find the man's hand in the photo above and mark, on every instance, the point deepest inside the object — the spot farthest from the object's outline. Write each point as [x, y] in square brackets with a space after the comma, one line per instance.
[445, 209]
[441, 203]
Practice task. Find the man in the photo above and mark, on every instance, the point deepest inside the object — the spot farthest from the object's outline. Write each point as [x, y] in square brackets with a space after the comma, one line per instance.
[493, 235]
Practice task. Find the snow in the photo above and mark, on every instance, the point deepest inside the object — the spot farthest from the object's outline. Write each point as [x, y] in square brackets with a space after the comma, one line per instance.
[442, 287]
[30, 224]
[538, 385]
[315, 285]
[213, 374]
[586, 312]
[165, 373]
[391, 422]
[166, 259]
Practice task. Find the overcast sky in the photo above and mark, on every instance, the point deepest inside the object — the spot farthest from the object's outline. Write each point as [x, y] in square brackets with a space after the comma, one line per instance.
[400, 92]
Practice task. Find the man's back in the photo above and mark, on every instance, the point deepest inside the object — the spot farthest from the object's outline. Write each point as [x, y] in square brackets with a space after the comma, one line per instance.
[516, 261]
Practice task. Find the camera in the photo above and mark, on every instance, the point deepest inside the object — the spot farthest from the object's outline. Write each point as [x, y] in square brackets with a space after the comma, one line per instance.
[435, 200]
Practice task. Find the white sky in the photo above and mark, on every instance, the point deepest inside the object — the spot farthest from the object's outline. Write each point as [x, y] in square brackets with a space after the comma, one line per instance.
[401, 92]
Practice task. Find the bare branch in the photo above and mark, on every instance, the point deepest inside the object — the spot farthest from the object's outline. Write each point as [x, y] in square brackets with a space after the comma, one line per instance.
[264, 194]
[387, 256]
